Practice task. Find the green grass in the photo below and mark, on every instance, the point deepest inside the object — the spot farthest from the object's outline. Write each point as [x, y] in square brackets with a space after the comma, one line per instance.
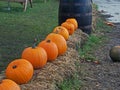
[101, 26]
[90, 45]
[72, 83]
[18, 29]
[94, 40]
[95, 6]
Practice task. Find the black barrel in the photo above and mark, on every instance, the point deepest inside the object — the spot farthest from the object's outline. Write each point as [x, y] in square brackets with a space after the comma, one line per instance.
[79, 9]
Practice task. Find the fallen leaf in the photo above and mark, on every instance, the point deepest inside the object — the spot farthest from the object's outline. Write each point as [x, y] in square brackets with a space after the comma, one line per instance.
[96, 62]
[110, 23]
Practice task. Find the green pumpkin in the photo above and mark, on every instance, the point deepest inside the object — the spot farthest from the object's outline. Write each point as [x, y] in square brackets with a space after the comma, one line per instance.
[115, 53]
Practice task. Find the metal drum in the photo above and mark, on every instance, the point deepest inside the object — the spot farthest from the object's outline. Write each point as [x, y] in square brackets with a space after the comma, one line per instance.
[79, 9]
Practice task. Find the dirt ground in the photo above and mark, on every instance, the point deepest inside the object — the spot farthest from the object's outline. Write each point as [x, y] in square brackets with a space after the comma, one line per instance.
[106, 74]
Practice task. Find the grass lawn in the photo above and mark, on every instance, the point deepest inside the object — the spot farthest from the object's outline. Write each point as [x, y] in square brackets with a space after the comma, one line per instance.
[18, 29]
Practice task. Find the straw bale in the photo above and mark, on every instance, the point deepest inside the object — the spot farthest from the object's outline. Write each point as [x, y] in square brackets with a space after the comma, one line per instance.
[63, 67]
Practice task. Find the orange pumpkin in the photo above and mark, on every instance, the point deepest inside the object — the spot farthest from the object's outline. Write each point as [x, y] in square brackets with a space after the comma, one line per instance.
[62, 31]
[69, 26]
[20, 71]
[37, 56]
[59, 41]
[7, 84]
[73, 21]
[51, 49]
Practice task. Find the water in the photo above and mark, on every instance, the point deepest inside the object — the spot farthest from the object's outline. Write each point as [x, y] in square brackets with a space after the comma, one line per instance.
[109, 7]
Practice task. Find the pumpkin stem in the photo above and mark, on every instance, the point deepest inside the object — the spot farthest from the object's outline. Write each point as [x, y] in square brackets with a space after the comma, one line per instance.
[57, 31]
[15, 66]
[34, 43]
[48, 41]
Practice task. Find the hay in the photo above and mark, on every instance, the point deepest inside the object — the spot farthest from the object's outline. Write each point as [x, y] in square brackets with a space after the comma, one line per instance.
[77, 39]
[56, 71]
